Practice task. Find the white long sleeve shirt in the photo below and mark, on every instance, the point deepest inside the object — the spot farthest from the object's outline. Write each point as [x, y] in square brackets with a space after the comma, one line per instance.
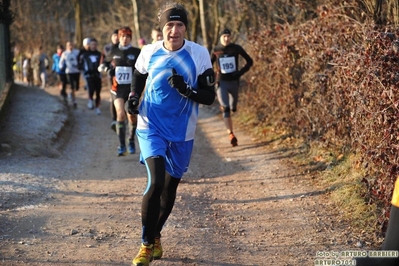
[70, 59]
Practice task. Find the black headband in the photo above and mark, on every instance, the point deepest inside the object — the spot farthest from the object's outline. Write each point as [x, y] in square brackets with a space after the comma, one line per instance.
[172, 14]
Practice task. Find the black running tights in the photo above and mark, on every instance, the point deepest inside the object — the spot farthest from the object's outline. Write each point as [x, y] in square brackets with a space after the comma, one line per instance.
[158, 199]
[94, 84]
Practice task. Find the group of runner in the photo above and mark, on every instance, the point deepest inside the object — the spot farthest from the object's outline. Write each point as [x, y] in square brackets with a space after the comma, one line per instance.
[170, 79]
[117, 62]
[158, 90]
[70, 63]
[31, 67]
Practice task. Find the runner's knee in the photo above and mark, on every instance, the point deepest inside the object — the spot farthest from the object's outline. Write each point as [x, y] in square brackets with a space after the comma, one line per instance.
[225, 111]
[156, 170]
[120, 115]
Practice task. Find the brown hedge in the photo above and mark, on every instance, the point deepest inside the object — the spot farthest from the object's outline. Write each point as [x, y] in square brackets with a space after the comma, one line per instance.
[332, 79]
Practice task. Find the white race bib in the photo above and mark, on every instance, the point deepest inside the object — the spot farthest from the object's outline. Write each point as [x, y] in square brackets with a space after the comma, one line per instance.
[227, 64]
[123, 74]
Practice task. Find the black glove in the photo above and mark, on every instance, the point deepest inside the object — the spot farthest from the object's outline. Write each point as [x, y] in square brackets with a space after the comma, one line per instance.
[176, 81]
[132, 103]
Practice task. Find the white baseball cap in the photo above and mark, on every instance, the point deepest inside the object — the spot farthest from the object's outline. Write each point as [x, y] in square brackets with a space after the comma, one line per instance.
[86, 41]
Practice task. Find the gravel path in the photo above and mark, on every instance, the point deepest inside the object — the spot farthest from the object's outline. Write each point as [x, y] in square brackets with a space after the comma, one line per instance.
[67, 199]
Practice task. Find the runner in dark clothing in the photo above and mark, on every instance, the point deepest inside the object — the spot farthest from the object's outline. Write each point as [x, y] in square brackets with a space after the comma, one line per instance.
[107, 50]
[85, 49]
[90, 63]
[226, 57]
[120, 64]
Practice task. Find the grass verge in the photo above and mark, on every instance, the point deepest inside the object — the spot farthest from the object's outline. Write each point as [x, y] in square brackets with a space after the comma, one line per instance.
[339, 174]
[342, 176]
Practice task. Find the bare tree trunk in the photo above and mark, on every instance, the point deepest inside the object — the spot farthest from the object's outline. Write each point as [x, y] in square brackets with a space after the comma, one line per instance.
[192, 31]
[136, 23]
[78, 23]
[204, 30]
[216, 28]
[378, 12]
[393, 11]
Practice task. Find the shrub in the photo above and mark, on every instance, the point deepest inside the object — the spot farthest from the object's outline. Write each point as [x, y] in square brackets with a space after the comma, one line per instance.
[332, 79]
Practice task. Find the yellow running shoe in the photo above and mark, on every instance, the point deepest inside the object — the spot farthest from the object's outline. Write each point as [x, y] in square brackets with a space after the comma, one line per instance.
[144, 257]
[157, 249]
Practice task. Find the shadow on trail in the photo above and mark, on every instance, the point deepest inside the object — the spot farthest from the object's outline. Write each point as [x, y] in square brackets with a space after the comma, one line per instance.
[209, 161]
[276, 198]
[281, 153]
[12, 262]
[204, 262]
[50, 262]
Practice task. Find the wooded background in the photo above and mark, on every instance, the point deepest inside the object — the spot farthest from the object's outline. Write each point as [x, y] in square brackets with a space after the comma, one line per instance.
[48, 23]
[324, 70]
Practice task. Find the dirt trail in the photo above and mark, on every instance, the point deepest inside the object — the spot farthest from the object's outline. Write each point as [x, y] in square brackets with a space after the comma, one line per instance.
[80, 205]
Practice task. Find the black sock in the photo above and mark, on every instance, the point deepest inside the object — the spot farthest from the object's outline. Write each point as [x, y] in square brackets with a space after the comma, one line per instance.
[132, 132]
[121, 132]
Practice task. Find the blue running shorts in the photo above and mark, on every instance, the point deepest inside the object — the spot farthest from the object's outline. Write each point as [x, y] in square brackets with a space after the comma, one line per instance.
[177, 154]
